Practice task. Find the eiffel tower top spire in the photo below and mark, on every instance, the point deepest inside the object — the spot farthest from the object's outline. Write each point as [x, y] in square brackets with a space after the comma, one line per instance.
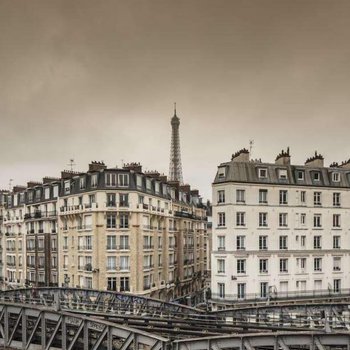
[175, 167]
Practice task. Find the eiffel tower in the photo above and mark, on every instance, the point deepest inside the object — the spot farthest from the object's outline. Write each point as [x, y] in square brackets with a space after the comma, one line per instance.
[175, 167]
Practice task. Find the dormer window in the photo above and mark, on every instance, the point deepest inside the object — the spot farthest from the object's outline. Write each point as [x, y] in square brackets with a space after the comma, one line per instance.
[67, 187]
[282, 174]
[82, 183]
[222, 172]
[263, 173]
[94, 180]
[111, 179]
[335, 177]
[300, 175]
[316, 176]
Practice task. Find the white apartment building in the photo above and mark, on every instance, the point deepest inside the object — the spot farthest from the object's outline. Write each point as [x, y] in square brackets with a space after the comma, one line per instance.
[279, 230]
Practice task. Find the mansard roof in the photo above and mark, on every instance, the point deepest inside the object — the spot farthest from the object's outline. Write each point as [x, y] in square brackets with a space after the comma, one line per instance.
[248, 172]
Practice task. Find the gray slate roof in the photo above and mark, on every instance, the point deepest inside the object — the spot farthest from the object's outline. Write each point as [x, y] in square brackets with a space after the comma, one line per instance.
[247, 172]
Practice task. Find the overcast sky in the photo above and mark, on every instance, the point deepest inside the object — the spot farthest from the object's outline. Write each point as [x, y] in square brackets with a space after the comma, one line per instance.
[96, 80]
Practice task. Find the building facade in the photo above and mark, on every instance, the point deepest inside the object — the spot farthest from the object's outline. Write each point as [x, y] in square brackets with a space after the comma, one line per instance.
[123, 230]
[279, 229]
[110, 229]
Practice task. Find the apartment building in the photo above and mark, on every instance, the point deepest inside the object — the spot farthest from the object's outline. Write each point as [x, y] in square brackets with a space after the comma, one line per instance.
[3, 200]
[13, 238]
[125, 230]
[41, 240]
[279, 229]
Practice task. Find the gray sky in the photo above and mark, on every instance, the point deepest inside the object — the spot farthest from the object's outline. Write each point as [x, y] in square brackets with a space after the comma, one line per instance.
[96, 80]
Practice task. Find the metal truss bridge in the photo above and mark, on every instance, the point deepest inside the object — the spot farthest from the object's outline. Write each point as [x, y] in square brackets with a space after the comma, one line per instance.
[69, 318]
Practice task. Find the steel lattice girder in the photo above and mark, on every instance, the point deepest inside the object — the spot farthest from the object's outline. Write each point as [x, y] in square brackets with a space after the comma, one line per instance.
[33, 327]
[285, 341]
[97, 300]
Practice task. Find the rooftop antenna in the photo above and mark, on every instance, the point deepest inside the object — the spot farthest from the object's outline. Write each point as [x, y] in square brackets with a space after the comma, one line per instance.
[251, 143]
[71, 164]
[122, 163]
[10, 184]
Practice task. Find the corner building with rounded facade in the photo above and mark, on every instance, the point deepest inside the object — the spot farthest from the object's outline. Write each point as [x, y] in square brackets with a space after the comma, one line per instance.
[280, 230]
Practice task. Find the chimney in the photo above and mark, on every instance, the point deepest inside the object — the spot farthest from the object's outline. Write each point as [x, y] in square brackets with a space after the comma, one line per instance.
[68, 174]
[33, 183]
[18, 189]
[163, 178]
[315, 161]
[185, 188]
[241, 156]
[345, 164]
[153, 173]
[283, 158]
[48, 180]
[136, 167]
[97, 166]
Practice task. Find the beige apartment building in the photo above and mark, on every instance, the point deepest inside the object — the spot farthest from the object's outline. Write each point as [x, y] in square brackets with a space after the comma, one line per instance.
[125, 230]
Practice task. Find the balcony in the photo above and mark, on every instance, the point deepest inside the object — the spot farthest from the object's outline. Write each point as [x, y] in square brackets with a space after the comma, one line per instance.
[148, 267]
[148, 246]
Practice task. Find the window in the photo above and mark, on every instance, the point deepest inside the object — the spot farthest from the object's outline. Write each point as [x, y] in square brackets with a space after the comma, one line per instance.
[240, 219]
[111, 221]
[221, 196]
[124, 242]
[111, 242]
[124, 263]
[124, 220]
[111, 200]
[301, 264]
[221, 290]
[221, 265]
[241, 290]
[283, 197]
[283, 265]
[262, 242]
[262, 219]
[302, 241]
[317, 220]
[111, 179]
[262, 173]
[283, 220]
[82, 183]
[123, 180]
[263, 266]
[47, 193]
[336, 220]
[283, 242]
[317, 242]
[240, 240]
[300, 175]
[336, 263]
[336, 199]
[303, 197]
[263, 196]
[336, 242]
[317, 264]
[335, 177]
[123, 200]
[316, 176]
[221, 242]
[240, 196]
[317, 198]
[337, 285]
[111, 262]
[282, 174]
[222, 172]
[221, 219]
[112, 283]
[94, 180]
[264, 287]
[124, 284]
[241, 263]
[67, 186]
[302, 219]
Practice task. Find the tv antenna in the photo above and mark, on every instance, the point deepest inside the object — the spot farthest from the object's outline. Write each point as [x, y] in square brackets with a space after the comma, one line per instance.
[71, 164]
[251, 143]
